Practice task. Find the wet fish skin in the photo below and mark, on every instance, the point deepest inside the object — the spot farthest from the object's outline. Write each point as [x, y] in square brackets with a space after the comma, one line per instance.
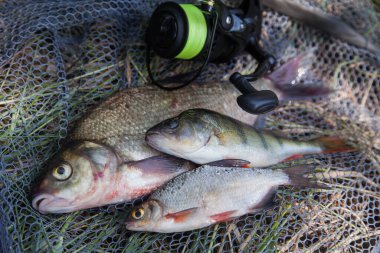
[204, 136]
[122, 120]
[192, 201]
[98, 177]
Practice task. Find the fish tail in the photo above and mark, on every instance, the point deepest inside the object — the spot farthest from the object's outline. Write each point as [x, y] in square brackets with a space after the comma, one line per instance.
[297, 177]
[322, 145]
[331, 144]
[285, 80]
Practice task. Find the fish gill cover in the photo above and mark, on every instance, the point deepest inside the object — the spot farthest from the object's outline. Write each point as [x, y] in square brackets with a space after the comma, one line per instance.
[59, 58]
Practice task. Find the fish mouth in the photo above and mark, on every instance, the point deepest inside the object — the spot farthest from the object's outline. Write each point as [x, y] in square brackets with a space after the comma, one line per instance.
[133, 226]
[161, 142]
[151, 137]
[151, 133]
[47, 203]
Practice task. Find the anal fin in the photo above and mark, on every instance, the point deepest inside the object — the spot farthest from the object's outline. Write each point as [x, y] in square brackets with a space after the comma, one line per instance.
[225, 216]
[293, 157]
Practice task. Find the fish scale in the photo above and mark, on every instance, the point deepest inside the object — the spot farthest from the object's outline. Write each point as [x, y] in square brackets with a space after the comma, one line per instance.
[189, 186]
[122, 120]
[203, 136]
[211, 194]
[99, 178]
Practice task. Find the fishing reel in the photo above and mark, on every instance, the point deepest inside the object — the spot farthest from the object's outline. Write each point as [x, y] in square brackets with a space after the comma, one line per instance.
[212, 32]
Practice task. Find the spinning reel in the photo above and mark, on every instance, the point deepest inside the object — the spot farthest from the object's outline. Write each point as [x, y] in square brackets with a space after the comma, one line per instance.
[212, 32]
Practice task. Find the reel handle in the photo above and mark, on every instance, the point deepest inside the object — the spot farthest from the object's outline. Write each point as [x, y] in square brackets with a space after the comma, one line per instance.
[252, 100]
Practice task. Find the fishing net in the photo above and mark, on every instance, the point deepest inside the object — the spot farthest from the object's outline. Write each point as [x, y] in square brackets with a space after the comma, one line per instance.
[59, 58]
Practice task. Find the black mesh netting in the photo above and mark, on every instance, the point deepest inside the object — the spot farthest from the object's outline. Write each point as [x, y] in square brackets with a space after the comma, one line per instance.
[58, 58]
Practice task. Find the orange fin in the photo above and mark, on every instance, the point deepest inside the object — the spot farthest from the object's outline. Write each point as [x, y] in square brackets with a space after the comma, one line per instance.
[334, 145]
[222, 216]
[180, 216]
[293, 157]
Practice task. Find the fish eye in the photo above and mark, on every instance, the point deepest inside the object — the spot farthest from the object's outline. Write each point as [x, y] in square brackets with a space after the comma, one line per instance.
[138, 213]
[173, 124]
[62, 172]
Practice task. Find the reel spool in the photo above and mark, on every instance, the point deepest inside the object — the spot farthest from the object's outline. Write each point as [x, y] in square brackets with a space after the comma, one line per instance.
[212, 32]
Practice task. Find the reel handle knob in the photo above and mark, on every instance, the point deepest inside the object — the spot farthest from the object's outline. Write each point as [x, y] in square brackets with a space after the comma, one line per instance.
[252, 100]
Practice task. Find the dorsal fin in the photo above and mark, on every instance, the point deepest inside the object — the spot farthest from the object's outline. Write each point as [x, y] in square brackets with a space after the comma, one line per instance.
[230, 163]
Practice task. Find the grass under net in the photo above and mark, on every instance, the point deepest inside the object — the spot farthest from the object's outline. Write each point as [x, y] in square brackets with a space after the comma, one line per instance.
[58, 60]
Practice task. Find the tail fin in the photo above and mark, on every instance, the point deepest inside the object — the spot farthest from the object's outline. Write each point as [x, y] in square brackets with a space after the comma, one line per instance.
[330, 24]
[286, 79]
[297, 177]
[334, 145]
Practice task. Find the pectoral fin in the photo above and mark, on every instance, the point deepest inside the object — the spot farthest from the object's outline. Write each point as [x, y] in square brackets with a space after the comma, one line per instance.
[182, 215]
[162, 165]
[225, 137]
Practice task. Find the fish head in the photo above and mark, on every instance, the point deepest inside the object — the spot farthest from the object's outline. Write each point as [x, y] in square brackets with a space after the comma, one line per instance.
[145, 217]
[181, 135]
[74, 179]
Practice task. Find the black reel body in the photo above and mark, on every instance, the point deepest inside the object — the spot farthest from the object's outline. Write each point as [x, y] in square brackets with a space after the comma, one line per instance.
[212, 32]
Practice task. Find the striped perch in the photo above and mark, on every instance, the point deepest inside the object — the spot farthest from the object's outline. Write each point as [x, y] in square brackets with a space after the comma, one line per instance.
[204, 136]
